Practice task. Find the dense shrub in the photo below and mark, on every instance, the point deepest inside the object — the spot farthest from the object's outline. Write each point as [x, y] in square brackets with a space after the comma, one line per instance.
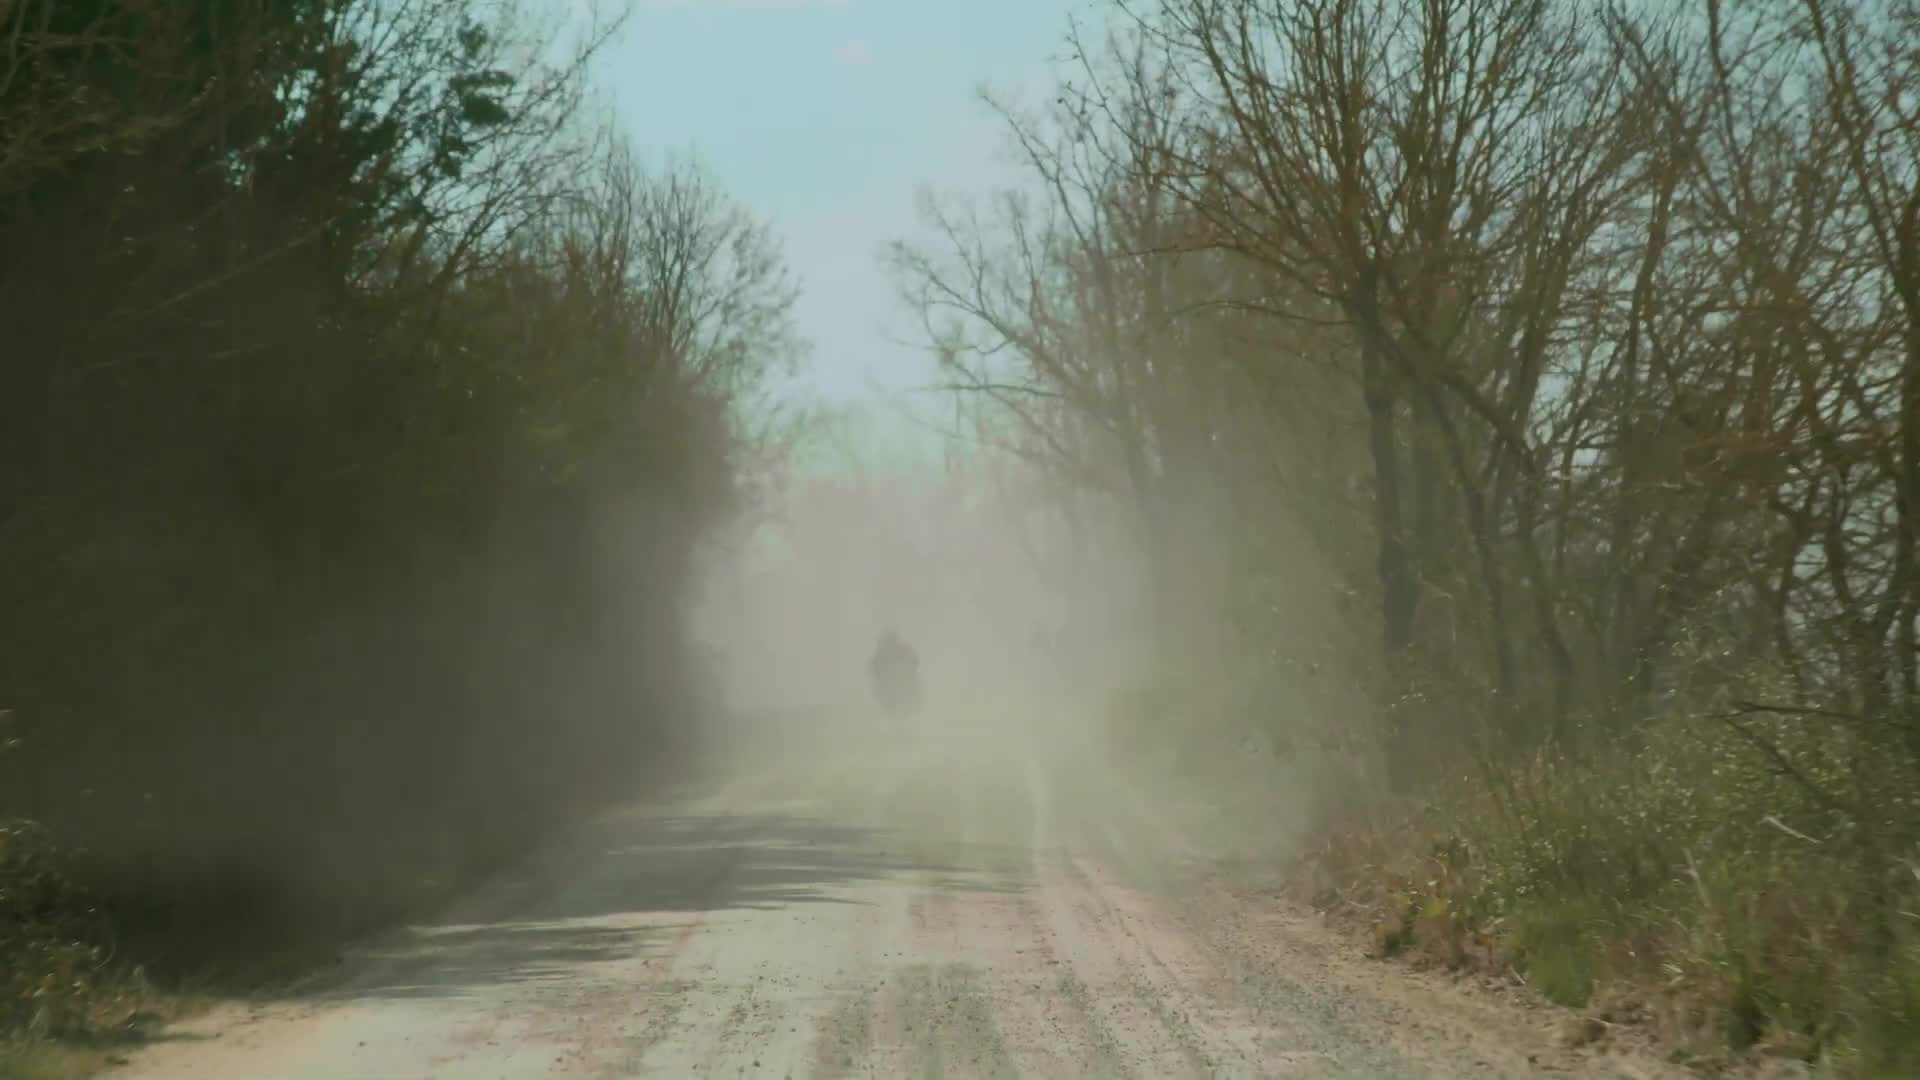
[362, 412]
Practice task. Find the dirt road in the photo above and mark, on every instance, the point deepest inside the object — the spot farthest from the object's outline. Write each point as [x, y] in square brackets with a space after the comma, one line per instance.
[892, 907]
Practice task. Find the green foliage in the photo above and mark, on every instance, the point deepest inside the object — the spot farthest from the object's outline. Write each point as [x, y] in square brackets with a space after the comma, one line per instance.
[1694, 869]
[1558, 943]
[352, 470]
[56, 946]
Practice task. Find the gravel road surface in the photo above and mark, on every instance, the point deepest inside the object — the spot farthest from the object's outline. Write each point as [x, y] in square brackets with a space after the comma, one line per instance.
[888, 905]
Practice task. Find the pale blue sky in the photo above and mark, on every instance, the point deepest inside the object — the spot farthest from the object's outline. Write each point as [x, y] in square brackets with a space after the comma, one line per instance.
[825, 117]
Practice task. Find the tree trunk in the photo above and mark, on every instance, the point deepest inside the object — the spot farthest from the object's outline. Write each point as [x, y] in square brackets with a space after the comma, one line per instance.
[1399, 598]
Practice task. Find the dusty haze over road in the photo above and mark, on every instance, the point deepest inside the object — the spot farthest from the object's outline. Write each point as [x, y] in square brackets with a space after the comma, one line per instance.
[987, 899]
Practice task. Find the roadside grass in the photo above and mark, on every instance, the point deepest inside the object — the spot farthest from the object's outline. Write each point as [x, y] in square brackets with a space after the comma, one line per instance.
[23, 1058]
[1740, 892]
[1715, 894]
[66, 998]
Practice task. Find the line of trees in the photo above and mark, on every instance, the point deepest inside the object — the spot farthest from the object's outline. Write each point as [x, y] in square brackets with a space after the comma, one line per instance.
[1606, 320]
[1599, 323]
[364, 401]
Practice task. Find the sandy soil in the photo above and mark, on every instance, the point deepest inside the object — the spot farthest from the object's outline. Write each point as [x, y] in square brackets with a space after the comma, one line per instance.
[868, 905]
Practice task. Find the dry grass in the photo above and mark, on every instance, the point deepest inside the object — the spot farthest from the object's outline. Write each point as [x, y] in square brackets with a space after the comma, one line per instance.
[1668, 890]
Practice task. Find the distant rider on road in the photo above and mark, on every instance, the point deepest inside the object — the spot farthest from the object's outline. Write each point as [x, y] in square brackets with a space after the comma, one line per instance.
[895, 670]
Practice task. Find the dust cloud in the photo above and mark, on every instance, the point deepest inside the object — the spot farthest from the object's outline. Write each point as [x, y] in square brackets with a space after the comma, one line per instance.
[1029, 606]
[965, 552]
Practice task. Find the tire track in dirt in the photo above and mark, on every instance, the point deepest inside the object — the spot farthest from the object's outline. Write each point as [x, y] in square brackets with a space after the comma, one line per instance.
[844, 1034]
[974, 992]
[844, 1031]
[742, 1005]
[1147, 1020]
[976, 988]
[664, 992]
[1193, 1001]
[1300, 1023]
[1045, 1011]
[761, 1001]
[939, 1019]
[851, 1029]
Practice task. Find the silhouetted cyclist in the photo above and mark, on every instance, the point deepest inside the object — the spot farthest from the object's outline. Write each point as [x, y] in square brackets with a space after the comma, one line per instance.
[895, 670]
